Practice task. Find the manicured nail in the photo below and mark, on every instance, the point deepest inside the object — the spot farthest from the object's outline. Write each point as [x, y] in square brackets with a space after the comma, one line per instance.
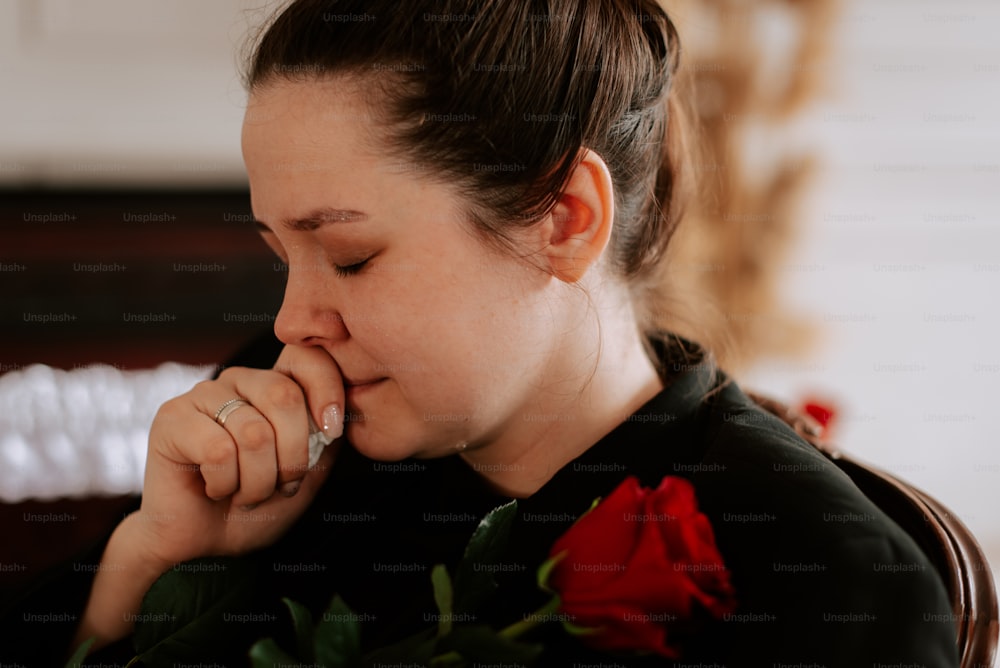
[290, 488]
[333, 422]
[249, 506]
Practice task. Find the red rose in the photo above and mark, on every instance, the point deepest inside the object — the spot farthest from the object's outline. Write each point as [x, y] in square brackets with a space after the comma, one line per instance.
[636, 569]
[822, 411]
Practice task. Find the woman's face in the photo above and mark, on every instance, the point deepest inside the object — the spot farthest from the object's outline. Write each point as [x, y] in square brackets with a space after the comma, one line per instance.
[387, 276]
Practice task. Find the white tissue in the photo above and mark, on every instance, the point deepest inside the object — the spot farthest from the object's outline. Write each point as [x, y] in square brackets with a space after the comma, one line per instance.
[317, 441]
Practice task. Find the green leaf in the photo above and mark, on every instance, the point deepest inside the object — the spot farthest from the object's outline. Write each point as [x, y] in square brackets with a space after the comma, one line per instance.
[81, 653]
[443, 598]
[418, 648]
[304, 630]
[473, 585]
[266, 654]
[186, 611]
[449, 660]
[481, 644]
[338, 637]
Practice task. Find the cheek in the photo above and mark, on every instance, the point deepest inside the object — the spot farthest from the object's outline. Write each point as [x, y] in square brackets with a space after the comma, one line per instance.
[476, 362]
[452, 334]
[444, 342]
[410, 326]
[435, 397]
[431, 342]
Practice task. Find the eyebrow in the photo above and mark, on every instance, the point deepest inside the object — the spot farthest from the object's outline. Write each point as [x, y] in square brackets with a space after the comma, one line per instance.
[316, 219]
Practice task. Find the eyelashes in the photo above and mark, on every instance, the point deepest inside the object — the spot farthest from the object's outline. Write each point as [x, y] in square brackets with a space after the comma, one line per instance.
[342, 270]
[350, 269]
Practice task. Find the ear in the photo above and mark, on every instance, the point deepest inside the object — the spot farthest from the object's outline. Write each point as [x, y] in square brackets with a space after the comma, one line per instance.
[579, 227]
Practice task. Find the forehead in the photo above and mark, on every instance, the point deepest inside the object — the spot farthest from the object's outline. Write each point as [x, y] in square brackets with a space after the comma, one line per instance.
[314, 144]
[308, 144]
[316, 115]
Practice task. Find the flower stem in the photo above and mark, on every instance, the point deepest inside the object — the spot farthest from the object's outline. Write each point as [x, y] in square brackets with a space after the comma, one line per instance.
[539, 616]
[536, 618]
[451, 658]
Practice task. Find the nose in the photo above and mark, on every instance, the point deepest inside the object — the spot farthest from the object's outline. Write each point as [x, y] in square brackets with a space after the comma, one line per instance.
[308, 315]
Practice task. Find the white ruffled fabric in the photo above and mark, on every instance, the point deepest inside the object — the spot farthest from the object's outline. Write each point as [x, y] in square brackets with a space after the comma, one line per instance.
[84, 431]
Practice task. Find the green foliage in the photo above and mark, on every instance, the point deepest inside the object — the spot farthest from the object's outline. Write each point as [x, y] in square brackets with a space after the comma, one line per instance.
[474, 585]
[304, 630]
[266, 654]
[185, 611]
[189, 608]
[443, 598]
[81, 653]
[338, 637]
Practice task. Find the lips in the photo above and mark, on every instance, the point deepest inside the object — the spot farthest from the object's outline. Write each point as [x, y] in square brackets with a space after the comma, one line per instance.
[360, 383]
[358, 392]
[359, 388]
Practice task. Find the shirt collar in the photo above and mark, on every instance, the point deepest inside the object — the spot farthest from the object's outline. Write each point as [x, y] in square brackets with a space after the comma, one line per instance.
[661, 437]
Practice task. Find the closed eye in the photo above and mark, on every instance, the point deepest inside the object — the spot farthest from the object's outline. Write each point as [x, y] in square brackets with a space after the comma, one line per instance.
[350, 269]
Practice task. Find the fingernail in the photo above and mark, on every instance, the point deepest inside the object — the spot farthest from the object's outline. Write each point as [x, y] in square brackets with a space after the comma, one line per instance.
[333, 422]
[250, 506]
[290, 488]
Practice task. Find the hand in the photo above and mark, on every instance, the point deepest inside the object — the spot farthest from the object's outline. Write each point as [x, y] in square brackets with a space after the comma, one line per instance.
[210, 489]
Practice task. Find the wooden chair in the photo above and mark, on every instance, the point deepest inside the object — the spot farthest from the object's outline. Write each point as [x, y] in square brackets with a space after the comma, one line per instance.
[948, 543]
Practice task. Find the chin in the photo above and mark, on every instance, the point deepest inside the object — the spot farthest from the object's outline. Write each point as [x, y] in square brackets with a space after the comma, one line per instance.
[391, 447]
[377, 445]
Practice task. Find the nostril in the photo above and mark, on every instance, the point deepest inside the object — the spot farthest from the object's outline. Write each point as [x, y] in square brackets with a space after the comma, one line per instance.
[303, 325]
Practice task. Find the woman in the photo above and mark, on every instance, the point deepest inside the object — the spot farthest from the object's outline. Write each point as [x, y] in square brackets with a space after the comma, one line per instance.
[473, 200]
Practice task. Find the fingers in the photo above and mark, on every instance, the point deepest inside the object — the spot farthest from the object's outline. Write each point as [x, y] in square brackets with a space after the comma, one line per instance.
[263, 445]
[318, 375]
[271, 434]
[238, 458]
[197, 443]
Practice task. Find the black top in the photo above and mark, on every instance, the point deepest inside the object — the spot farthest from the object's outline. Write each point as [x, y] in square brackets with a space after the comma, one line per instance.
[811, 557]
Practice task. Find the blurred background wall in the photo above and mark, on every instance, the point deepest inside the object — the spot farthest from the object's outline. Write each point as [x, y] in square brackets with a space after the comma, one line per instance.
[849, 239]
[127, 223]
[123, 205]
[113, 92]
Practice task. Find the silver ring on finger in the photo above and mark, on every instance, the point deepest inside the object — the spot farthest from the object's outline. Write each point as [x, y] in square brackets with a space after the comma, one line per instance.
[228, 408]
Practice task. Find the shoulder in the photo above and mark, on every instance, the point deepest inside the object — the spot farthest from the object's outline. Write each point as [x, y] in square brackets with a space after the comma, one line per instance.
[758, 476]
[754, 461]
[819, 568]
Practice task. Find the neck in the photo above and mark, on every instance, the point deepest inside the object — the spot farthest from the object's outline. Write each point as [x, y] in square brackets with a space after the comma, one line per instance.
[566, 418]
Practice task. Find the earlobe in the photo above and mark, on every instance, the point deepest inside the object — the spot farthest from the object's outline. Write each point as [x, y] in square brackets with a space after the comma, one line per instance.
[582, 219]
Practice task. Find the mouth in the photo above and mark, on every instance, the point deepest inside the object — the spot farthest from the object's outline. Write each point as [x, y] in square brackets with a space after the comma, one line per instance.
[361, 383]
[354, 388]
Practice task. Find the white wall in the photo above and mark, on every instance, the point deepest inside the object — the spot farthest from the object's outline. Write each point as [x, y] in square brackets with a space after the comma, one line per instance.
[121, 91]
[899, 260]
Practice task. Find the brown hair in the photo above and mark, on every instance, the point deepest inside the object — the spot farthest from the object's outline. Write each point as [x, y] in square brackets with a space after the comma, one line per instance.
[499, 96]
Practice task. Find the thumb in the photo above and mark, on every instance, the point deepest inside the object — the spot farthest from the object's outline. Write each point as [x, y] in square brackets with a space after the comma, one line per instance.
[320, 379]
